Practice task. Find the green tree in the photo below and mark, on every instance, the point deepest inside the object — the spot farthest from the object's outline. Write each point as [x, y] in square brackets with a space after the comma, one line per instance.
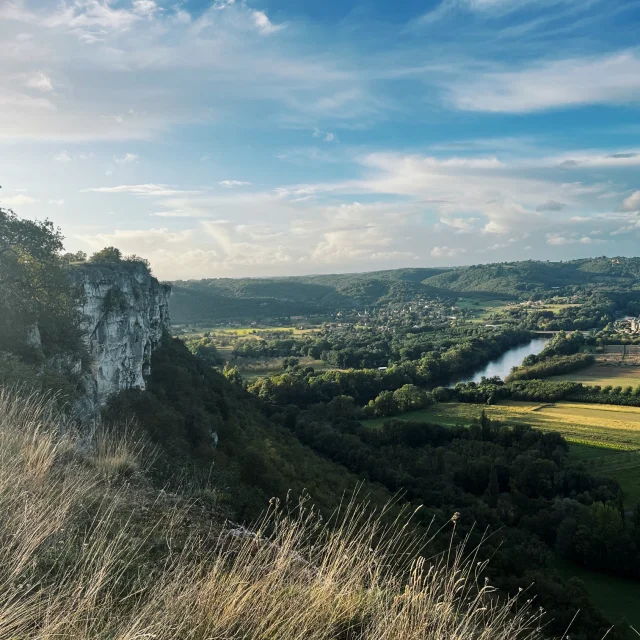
[493, 491]
[108, 254]
[38, 305]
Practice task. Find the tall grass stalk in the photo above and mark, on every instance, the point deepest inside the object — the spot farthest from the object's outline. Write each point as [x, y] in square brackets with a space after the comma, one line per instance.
[85, 557]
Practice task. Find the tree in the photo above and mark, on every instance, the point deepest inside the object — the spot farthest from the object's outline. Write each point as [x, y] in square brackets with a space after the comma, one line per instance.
[493, 491]
[384, 405]
[38, 304]
[485, 425]
[108, 254]
[409, 397]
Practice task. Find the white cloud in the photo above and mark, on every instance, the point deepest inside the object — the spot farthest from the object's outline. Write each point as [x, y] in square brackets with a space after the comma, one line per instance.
[327, 136]
[138, 240]
[230, 184]
[138, 60]
[18, 201]
[145, 8]
[63, 157]
[57, 203]
[141, 190]
[263, 24]
[446, 252]
[632, 203]
[39, 81]
[460, 224]
[557, 239]
[127, 158]
[609, 79]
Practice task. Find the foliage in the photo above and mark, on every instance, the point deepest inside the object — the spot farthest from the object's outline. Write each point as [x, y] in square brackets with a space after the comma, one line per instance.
[115, 301]
[114, 255]
[205, 349]
[502, 478]
[605, 284]
[553, 366]
[210, 429]
[455, 357]
[108, 254]
[37, 300]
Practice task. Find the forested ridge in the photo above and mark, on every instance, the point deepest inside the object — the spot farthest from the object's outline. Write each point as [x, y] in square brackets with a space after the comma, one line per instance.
[225, 298]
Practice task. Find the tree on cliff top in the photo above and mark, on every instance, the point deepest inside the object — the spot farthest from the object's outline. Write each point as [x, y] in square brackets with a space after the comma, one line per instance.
[108, 254]
[35, 288]
[114, 255]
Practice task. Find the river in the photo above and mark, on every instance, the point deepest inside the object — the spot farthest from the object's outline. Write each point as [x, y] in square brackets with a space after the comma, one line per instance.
[502, 366]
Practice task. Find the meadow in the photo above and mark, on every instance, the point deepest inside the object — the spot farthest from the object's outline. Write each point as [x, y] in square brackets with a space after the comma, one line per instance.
[618, 598]
[605, 437]
[482, 308]
[603, 375]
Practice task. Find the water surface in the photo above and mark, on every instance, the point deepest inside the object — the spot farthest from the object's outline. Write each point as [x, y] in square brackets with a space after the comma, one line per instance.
[502, 366]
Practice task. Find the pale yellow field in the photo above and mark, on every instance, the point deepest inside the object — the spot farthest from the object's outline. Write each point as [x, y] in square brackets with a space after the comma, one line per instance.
[605, 437]
[598, 424]
[605, 375]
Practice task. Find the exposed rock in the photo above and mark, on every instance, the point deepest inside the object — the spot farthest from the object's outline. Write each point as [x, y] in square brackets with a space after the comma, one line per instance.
[126, 311]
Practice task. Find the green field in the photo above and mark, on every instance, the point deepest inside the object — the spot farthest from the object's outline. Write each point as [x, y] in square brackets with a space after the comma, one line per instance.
[618, 598]
[605, 437]
[481, 307]
[604, 375]
[245, 331]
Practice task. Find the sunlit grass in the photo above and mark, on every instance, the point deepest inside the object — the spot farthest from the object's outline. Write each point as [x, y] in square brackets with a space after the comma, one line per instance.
[88, 550]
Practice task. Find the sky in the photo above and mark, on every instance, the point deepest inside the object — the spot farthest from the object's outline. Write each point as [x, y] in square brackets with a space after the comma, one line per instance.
[234, 138]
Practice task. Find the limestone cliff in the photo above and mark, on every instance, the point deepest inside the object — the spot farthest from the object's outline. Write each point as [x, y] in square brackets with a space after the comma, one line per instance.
[126, 311]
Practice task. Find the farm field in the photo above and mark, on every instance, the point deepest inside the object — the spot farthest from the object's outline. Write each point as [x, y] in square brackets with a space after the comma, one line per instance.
[597, 424]
[623, 466]
[604, 375]
[260, 368]
[618, 598]
[605, 437]
[239, 332]
[481, 307]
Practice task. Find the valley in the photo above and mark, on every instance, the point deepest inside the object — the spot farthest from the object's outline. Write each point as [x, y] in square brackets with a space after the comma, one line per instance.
[461, 397]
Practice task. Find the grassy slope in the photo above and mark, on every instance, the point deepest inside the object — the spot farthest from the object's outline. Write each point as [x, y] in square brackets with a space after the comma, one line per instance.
[91, 550]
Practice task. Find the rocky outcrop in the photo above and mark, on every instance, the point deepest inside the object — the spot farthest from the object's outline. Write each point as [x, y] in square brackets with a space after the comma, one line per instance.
[126, 311]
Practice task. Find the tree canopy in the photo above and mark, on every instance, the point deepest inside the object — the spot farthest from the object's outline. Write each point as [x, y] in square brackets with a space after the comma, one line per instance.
[34, 288]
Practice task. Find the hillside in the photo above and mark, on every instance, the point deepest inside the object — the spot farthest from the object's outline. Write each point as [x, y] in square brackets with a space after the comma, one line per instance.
[231, 299]
[524, 278]
[215, 300]
[92, 550]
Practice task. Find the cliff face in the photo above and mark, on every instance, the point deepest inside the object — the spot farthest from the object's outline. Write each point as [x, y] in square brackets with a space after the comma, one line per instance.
[126, 311]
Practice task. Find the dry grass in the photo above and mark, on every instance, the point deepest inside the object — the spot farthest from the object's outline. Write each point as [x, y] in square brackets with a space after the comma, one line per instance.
[76, 562]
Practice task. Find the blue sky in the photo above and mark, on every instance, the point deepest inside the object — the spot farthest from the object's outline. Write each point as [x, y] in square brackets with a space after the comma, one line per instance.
[278, 137]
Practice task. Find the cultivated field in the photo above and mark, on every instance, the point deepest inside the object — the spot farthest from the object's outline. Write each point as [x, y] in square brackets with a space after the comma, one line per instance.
[619, 365]
[482, 308]
[597, 424]
[604, 375]
[605, 437]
